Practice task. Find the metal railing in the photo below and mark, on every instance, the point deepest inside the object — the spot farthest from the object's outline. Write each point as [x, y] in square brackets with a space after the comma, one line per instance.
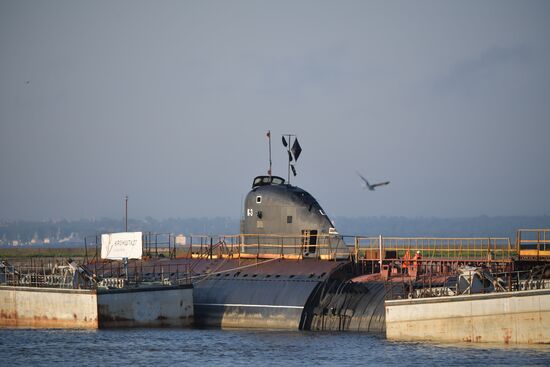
[138, 273]
[533, 244]
[529, 243]
[46, 274]
[326, 247]
[109, 274]
[476, 281]
[380, 248]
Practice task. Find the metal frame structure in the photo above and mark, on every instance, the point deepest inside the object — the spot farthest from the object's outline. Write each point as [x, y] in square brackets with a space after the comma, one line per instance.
[533, 244]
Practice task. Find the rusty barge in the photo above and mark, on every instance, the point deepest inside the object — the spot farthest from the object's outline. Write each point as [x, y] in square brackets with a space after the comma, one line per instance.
[50, 295]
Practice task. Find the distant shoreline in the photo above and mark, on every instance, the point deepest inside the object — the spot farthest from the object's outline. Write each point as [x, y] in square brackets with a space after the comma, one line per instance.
[71, 233]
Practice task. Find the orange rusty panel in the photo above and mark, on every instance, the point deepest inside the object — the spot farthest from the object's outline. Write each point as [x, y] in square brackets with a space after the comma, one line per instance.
[371, 254]
[12, 320]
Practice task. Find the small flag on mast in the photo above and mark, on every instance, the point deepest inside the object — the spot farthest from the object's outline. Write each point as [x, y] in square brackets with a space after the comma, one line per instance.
[284, 141]
[296, 149]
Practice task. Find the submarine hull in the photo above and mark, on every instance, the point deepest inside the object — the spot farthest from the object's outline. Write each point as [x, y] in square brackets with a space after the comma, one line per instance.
[306, 294]
[272, 294]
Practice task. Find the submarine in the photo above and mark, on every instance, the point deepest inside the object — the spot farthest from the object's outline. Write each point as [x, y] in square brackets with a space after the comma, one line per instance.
[292, 270]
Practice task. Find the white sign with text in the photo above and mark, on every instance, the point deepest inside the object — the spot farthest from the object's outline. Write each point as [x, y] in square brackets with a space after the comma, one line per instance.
[116, 246]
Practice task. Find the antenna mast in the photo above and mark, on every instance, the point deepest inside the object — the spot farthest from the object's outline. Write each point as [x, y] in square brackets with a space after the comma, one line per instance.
[269, 138]
[126, 216]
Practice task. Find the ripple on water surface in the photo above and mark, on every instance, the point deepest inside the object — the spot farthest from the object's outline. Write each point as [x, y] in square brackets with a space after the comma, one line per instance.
[168, 347]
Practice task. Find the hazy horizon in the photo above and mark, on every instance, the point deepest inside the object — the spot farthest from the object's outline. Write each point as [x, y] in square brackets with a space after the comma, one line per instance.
[213, 217]
[169, 103]
[66, 231]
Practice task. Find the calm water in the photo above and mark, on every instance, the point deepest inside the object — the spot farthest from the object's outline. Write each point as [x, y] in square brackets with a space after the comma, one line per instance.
[163, 347]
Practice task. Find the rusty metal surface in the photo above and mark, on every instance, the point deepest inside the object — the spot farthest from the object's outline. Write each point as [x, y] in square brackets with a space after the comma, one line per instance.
[13, 320]
[89, 309]
[47, 308]
[166, 306]
[242, 268]
[155, 269]
[509, 318]
[298, 268]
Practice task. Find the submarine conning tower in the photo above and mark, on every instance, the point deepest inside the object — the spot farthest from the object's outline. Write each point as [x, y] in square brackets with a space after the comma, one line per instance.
[286, 220]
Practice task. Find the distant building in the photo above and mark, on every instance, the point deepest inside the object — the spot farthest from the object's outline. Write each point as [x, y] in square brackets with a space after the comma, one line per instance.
[180, 240]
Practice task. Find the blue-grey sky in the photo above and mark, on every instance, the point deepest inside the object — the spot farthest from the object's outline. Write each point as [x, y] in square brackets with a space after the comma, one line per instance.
[169, 102]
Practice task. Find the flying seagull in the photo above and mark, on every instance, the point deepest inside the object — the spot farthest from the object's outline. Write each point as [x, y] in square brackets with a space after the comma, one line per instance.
[373, 186]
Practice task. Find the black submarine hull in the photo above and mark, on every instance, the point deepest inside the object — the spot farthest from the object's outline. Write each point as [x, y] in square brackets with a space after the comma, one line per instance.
[268, 294]
[305, 294]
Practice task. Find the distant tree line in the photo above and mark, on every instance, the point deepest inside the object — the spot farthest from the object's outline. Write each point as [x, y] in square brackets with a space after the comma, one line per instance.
[74, 231]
